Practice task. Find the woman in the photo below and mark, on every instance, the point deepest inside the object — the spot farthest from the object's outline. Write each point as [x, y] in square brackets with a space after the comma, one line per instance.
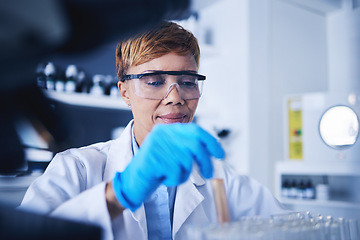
[143, 184]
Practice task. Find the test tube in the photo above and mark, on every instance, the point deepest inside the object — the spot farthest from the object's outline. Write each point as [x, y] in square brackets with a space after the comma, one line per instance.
[222, 208]
[218, 186]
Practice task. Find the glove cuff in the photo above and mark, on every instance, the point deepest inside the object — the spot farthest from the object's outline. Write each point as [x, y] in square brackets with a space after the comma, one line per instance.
[117, 187]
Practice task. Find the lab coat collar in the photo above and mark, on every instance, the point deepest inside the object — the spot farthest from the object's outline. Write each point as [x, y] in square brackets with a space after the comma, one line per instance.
[195, 177]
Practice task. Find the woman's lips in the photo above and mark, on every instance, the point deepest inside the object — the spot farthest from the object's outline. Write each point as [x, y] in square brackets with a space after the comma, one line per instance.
[172, 117]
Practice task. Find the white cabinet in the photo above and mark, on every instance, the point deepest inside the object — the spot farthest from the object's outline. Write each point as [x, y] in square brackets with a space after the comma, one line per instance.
[333, 170]
[342, 179]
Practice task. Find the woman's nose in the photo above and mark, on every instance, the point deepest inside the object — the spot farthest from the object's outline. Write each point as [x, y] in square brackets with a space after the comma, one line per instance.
[173, 95]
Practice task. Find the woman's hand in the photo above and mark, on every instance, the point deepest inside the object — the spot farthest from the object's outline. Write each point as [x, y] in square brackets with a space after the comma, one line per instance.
[166, 156]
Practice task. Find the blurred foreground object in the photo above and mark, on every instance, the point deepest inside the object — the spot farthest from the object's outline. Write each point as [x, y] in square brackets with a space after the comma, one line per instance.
[32, 30]
[17, 225]
[294, 225]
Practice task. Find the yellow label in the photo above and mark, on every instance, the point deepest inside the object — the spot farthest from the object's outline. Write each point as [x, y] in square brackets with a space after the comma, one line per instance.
[295, 129]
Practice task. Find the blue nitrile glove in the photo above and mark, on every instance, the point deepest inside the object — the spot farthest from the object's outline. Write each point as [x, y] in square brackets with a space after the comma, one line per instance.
[166, 156]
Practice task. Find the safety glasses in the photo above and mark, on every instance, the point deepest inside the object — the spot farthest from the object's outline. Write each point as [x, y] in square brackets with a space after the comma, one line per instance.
[158, 84]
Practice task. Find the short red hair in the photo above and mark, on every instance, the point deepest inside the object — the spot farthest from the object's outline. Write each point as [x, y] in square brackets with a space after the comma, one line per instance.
[168, 37]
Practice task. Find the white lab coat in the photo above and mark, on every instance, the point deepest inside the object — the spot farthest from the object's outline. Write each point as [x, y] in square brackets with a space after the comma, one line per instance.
[73, 187]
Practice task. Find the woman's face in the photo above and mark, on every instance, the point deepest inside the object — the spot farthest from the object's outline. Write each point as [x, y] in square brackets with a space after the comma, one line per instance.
[173, 108]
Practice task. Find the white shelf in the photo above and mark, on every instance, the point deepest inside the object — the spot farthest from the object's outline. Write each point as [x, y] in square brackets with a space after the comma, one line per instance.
[335, 168]
[87, 100]
[321, 203]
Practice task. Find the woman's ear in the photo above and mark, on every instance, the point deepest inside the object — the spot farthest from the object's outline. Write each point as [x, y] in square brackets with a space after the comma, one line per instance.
[123, 89]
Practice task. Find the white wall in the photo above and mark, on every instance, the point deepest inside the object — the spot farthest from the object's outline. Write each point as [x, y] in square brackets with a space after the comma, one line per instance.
[262, 50]
[343, 34]
[298, 64]
[225, 103]
[259, 94]
[295, 48]
[265, 50]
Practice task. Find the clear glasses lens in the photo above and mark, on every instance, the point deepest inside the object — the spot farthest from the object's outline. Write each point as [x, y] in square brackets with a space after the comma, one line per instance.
[158, 86]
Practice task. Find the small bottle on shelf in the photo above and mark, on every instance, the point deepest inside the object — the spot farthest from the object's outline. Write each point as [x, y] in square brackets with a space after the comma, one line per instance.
[309, 190]
[107, 83]
[114, 91]
[50, 73]
[60, 84]
[40, 76]
[285, 189]
[293, 189]
[301, 190]
[97, 88]
[322, 190]
[83, 84]
[71, 75]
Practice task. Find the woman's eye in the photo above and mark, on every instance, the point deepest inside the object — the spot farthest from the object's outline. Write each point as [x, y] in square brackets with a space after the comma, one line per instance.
[153, 81]
[188, 83]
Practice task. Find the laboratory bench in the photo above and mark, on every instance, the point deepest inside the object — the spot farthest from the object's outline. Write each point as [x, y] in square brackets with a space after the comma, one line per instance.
[13, 188]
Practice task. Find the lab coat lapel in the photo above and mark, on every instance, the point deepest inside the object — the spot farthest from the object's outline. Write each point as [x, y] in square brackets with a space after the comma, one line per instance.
[120, 154]
[140, 217]
[188, 198]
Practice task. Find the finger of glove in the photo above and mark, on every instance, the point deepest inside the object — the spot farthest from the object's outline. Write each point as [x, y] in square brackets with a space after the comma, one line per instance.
[163, 159]
[176, 177]
[187, 133]
[177, 166]
[187, 148]
[174, 147]
[202, 157]
[199, 143]
[128, 196]
[136, 187]
[211, 144]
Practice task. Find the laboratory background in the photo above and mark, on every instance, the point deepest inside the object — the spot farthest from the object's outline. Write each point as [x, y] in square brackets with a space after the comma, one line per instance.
[282, 95]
